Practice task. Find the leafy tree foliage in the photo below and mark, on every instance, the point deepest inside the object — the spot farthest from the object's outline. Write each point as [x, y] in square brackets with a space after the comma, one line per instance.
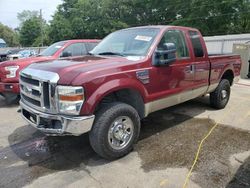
[26, 15]
[10, 36]
[30, 31]
[34, 30]
[60, 28]
[97, 18]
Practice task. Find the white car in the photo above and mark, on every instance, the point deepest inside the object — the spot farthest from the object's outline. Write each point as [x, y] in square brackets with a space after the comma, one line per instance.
[22, 54]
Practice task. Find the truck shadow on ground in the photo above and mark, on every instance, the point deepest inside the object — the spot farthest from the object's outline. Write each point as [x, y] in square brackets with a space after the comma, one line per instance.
[242, 177]
[168, 139]
[5, 104]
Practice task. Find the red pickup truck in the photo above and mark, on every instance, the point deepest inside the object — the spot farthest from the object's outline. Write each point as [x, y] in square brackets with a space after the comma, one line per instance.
[130, 74]
[9, 70]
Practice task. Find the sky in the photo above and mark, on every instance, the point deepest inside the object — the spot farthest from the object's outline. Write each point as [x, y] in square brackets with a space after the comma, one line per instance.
[10, 8]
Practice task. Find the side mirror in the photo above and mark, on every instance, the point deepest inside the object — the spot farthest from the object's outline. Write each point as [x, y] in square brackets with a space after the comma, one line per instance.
[165, 56]
[66, 54]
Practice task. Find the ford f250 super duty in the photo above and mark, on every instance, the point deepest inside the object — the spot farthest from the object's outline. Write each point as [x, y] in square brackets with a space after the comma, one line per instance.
[9, 70]
[130, 74]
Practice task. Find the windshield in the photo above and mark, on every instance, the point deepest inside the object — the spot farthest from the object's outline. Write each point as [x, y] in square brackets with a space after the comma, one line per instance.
[129, 42]
[51, 50]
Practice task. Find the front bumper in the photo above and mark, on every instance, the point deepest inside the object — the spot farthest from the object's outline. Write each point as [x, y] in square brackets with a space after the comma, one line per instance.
[9, 88]
[56, 125]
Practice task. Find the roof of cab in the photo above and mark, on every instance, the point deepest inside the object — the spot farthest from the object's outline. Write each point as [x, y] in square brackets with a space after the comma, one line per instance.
[163, 27]
[82, 40]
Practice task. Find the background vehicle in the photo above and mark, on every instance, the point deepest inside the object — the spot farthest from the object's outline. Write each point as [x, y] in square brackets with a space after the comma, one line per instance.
[22, 54]
[9, 70]
[130, 74]
[2, 43]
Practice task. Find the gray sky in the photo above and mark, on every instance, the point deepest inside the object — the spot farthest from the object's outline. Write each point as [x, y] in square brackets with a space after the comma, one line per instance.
[10, 8]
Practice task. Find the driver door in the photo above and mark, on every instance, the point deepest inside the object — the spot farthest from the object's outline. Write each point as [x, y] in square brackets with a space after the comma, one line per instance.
[173, 83]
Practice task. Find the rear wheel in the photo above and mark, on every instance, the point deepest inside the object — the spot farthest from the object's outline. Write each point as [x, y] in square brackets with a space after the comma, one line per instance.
[116, 129]
[220, 97]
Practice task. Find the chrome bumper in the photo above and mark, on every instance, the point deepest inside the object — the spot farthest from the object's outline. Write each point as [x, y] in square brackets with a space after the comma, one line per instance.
[56, 125]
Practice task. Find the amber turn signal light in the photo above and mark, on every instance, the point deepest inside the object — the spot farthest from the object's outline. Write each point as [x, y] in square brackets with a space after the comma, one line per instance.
[71, 97]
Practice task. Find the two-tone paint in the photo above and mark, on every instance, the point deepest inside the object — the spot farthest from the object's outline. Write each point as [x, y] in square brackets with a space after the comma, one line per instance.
[159, 87]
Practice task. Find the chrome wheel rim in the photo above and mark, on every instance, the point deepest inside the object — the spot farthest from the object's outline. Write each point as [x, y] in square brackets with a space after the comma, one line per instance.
[224, 94]
[120, 132]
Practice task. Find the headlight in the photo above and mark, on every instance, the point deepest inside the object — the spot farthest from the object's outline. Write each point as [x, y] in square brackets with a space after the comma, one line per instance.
[12, 71]
[70, 99]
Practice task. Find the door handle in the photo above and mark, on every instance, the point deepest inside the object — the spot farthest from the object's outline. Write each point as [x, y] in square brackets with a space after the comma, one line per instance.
[190, 69]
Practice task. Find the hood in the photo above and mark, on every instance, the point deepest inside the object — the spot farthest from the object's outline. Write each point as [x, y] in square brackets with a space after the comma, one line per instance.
[68, 69]
[22, 63]
[25, 61]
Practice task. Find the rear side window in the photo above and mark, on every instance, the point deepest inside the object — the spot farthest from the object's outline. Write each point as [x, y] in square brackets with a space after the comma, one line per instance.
[196, 42]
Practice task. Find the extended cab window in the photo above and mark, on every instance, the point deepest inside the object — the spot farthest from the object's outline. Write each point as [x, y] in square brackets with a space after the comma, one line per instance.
[196, 42]
[76, 49]
[176, 37]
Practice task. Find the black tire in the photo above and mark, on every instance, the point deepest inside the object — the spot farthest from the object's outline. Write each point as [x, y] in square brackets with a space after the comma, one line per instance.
[216, 97]
[11, 98]
[99, 135]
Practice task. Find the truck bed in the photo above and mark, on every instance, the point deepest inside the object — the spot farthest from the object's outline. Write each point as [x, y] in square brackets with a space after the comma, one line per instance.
[220, 62]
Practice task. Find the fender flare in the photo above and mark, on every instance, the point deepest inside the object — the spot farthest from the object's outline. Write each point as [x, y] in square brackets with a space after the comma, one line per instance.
[109, 87]
[225, 69]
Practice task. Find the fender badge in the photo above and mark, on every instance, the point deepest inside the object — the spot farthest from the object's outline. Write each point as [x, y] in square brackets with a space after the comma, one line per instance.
[143, 76]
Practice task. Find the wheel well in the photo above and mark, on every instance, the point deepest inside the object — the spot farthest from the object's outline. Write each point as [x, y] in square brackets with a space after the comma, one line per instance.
[228, 75]
[128, 96]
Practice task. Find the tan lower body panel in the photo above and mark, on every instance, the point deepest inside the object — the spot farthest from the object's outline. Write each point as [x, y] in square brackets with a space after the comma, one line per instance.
[177, 99]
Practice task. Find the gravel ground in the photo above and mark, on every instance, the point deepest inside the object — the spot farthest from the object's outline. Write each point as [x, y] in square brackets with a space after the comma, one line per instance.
[162, 157]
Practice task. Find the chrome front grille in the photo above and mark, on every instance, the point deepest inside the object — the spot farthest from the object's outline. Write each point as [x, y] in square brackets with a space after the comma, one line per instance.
[37, 89]
[33, 91]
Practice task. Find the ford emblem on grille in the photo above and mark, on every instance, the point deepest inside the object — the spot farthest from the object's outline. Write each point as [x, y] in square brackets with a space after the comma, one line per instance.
[27, 89]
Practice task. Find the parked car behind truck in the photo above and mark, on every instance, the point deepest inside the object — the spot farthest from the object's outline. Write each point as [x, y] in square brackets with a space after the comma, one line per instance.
[130, 74]
[9, 70]
[22, 54]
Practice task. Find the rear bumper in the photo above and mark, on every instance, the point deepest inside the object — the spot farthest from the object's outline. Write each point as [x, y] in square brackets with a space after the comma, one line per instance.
[9, 88]
[57, 125]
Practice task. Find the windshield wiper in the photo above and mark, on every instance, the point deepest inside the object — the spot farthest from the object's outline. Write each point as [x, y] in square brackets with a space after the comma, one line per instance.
[111, 53]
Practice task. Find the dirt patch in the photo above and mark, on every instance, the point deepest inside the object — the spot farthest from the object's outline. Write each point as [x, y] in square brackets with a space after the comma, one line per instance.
[174, 140]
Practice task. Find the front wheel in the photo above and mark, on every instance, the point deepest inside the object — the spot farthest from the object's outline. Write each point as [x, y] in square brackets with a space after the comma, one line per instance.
[116, 129]
[220, 97]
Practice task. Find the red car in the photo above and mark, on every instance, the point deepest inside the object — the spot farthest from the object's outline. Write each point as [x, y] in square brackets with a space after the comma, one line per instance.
[130, 74]
[9, 70]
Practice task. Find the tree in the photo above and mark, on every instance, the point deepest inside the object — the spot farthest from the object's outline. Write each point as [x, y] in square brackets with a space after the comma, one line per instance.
[97, 18]
[60, 28]
[26, 15]
[33, 29]
[30, 31]
[9, 35]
